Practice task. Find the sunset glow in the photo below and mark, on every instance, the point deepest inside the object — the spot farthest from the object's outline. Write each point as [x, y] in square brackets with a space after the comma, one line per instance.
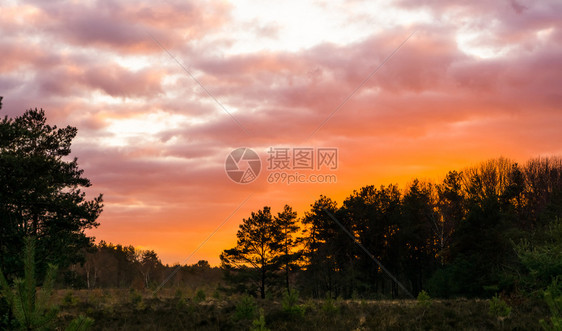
[162, 92]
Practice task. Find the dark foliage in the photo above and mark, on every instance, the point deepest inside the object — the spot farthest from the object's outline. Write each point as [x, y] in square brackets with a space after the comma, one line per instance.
[41, 194]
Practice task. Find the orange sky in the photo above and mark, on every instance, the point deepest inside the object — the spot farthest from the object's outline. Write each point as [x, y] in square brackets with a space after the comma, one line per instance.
[162, 93]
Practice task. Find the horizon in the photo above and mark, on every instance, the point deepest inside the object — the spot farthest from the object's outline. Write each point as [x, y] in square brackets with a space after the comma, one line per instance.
[161, 94]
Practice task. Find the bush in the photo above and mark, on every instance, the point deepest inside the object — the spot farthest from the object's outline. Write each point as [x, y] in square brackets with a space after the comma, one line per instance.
[199, 296]
[424, 300]
[80, 323]
[328, 306]
[7, 321]
[136, 299]
[69, 300]
[246, 308]
[32, 306]
[259, 324]
[553, 298]
[290, 304]
[499, 308]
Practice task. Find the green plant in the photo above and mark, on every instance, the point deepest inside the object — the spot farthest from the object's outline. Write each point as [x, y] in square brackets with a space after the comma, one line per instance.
[7, 321]
[246, 308]
[329, 306]
[80, 323]
[32, 307]
[553, 298]
[259, 323]
[424, 300]
[69, 299]
[180, 301]
[499, 308]
[290, 304]
[200, 296]
[136, 299]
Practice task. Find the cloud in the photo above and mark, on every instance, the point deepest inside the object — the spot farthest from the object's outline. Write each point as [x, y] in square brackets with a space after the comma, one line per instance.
[477, 80]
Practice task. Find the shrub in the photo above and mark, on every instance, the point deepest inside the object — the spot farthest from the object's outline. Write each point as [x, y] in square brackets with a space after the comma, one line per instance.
[259, 324]
[246, 308]
[328, 306]
[69, 299]
[136, 299]
[424, 300]
[499, 308]
[290, 304]
[553, 298]
[80, 323]
[199, 296]
[31, 306]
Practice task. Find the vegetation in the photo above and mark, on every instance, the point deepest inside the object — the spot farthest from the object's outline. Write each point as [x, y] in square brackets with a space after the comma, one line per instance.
[163, 313]
[488, 229]
[491, 233]
[32, 308]
[41, 195]
[499, 308]
[553, 297]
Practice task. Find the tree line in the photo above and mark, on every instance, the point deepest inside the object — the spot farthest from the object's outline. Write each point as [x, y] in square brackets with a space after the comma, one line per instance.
[463, 236]
[486, 229]
[107, 265]
[42, 197]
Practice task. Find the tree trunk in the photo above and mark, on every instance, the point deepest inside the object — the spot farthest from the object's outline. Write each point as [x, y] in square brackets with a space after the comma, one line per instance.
[262, 287]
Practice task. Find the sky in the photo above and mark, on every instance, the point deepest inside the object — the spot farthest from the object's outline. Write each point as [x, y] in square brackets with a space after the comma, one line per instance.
[162, 92]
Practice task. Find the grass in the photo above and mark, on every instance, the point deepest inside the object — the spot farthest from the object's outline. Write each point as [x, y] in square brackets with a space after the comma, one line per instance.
[115, 309]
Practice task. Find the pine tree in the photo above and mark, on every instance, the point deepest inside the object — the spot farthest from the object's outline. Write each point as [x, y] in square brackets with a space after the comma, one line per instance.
[32, 308]
[286, 242]
[255, 256]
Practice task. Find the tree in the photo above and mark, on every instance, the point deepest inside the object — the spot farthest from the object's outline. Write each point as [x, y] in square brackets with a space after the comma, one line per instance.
[417, 234]
[452, 209]
[40, 194]
[33, 308]
[324, 243]
[255, 256]
[148, 263]
[481, 250]
[374, 215]
[286, 242]
[540, 257]
[543, 179]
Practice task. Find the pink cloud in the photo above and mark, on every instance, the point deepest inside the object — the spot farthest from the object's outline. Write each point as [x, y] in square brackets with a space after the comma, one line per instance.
[429, 109]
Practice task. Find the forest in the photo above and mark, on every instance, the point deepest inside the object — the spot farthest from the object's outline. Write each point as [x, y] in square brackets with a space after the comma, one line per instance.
[482, 241]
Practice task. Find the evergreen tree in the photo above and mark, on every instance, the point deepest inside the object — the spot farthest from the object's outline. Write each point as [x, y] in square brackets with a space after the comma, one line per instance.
[286, 242]
[40, 194]
[256, 255]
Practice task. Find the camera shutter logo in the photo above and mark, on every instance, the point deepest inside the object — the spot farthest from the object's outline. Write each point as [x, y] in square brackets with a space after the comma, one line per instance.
[242, 165]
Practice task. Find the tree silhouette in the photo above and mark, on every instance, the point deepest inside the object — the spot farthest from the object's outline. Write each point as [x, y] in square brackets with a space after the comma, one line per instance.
[286, 242]
[453, 238]
[40, 193]
[256, 255]
[416, 234]
[374, 214]
[321, 242]
[148, 263]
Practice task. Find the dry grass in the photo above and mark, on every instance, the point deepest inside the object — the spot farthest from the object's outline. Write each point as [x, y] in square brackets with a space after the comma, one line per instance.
[117, 309]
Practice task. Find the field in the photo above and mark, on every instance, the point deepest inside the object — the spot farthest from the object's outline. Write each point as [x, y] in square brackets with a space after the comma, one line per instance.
[195, 310]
